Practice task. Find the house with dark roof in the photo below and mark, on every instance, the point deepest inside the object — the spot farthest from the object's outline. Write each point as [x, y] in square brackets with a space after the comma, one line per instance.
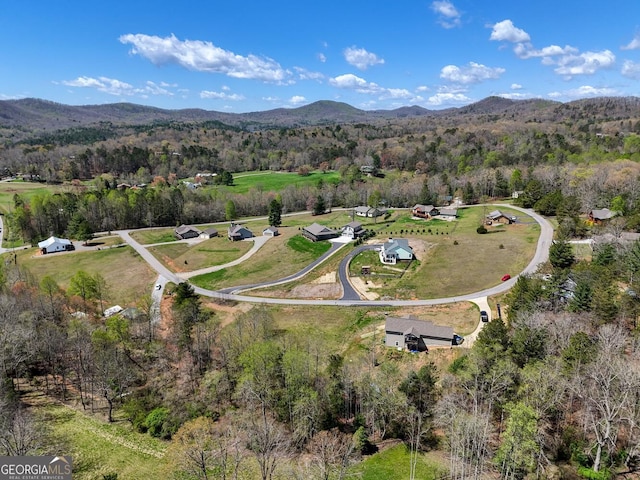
[418, 335]
[498, 216]
[353, 230]
[186, 231]
[395, 250]
[601, 215]
[424, 211]
[237, 232]
[209, 233]
[316, 232]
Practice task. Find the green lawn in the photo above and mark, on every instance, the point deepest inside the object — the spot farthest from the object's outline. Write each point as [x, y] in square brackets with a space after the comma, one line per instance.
[149, 236]
[269, 181]
[181, 257]
[275, 260]
[99, 448]
[127, 275]
[454, 259]
[25, 189]
[393, 463]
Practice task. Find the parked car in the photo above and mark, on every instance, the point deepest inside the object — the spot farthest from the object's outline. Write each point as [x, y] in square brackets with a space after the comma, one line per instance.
[484, 316]
[457, 340]
[506, 277]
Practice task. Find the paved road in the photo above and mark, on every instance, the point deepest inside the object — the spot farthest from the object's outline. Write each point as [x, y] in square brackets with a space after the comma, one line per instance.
[335, 246]
[348, 292]
[541, 255]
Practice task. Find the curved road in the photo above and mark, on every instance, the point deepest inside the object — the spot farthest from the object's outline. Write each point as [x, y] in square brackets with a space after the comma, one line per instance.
[541, 255]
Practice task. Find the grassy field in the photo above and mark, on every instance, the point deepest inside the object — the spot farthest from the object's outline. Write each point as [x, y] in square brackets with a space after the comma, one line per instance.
[149, 236]
[277, 258]
[453, 259]
[182, 257]
[99, 448]
[394, 463]
[127, 275]
[269, 181]
[26, 190]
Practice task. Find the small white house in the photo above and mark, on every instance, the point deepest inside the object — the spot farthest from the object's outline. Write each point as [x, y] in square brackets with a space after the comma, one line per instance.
[270, 231]
[55, 244]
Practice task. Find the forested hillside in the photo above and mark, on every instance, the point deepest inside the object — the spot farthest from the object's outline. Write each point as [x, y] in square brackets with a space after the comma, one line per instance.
[549, 388]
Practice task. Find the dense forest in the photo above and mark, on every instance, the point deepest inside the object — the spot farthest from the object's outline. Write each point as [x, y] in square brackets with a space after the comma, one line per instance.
[547, 391]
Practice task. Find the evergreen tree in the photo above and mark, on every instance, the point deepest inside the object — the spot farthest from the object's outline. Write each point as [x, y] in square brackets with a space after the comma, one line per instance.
[275, 213]
[319, 207]
[561, 254]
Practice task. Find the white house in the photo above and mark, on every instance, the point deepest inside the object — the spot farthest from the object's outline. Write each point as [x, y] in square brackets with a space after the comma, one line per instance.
[270, 231]
[353, 230]
[55, 244]
[395, 250]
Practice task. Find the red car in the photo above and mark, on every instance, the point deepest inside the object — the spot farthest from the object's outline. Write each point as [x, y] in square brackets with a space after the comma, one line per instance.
[506, 277]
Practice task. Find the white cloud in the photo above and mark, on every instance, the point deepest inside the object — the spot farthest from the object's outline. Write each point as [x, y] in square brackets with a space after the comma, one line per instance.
[304, 74]
[631, 69]
[322, 57]
[506, 31]
[360, 58]
[297, 100]
[103, 84]
[516, 86]
[514, 95]
[449, 16]
[155, 89]
[360, 85]
[353, 82]
[526, 50]
[472, 73]
[422, 88]
[585, 91]
[448, 98]
[221, 95]
[586, 63]
[633, 44]
[203, 57]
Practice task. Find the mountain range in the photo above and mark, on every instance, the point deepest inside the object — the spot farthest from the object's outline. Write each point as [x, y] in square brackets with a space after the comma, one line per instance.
[35, 115]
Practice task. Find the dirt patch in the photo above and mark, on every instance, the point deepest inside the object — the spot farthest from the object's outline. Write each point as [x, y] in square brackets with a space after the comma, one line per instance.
[326, 278]
[420, 248]
[363, 288]
[316, 290]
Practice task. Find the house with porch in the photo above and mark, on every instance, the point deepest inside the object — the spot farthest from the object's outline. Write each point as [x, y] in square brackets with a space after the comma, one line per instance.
[237, 232]
[424, 211]
[316, 232]
[413, 334]
[499, 217]
[601, 215]
[395, 250]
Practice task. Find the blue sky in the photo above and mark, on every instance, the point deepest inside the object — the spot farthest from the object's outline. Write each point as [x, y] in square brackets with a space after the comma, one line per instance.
[257, 55]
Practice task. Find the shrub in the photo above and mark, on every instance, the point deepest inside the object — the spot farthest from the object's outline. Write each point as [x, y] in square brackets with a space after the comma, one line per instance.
[481, 230]
[155, 421]
[455, 242]
[586, 472]
[501, 247]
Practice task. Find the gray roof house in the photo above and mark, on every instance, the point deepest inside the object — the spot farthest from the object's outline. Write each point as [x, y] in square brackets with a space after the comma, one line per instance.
[395, 250]
[186, 231]
[417, 335]
[498, 216]
[449, 212]
[601, 215]
[424, 211]
[353, 230]
[369, 212]
[237, 232]
[209, 233]
[270, 231]
[316, 232]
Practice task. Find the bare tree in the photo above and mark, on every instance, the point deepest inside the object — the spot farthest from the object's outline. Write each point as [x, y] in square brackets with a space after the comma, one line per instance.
[331, 453]
[268, 441]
